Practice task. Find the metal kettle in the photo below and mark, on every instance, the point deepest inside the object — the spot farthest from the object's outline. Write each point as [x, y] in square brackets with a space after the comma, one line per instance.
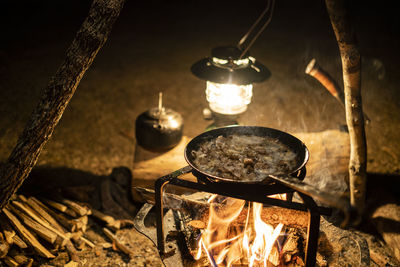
[159, 129]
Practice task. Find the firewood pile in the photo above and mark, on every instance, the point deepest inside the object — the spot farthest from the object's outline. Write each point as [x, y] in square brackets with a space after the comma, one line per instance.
[43, 227]
[36, 229]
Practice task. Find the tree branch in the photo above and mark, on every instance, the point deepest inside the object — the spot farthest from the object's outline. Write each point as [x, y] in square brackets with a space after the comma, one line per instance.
[351, 63]
[90, 38]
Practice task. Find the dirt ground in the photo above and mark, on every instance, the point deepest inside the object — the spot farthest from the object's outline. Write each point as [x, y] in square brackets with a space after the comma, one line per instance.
[151, 49]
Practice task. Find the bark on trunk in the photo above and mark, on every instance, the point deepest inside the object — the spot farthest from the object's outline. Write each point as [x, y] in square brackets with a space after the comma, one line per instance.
[90, 38]
[351, 64]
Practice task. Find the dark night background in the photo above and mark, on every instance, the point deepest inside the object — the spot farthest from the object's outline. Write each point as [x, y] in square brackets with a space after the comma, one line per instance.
[152, 47]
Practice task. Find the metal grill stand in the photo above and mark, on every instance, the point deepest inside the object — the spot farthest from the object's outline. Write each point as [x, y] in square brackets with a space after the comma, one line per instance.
[250, 192]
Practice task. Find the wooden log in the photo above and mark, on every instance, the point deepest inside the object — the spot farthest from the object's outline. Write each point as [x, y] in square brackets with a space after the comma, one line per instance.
[27, 236]
[4, 246]
[28, 211]
[7, 229]
[19, 242]
[36, 227]
[80, 239]
[9, 261]
[88, 242]
[72, 264]
[20, 258]
[272, 215]
[42, 217]
[21, 198]
[88, 41]
[351, 65]
[42, 210]
[59, 206]
[81, 223]
[111, 222]
[79, 209]
[55, 205]
[76, 238]
[117, 242]
[73, 254]
[68, 224]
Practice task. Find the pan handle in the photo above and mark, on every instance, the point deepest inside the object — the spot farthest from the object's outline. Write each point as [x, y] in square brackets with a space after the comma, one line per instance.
[324, 197]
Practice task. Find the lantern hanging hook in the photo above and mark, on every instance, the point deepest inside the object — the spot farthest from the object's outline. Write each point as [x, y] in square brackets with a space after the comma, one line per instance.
[265, 13]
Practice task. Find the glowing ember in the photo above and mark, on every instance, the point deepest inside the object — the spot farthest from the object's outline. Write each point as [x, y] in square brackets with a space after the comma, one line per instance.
[227, 244]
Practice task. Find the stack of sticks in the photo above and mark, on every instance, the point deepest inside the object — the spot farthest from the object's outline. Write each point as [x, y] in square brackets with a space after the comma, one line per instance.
[44, 227]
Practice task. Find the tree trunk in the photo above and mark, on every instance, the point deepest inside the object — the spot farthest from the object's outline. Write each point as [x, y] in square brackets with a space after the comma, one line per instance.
[90, 38]
[351, 63]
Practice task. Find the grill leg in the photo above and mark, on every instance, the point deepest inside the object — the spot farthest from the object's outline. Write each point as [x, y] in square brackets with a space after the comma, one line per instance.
[313, 230]
[159, 187]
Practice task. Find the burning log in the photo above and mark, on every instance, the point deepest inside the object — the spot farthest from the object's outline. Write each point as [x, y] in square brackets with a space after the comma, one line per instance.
[197, 203]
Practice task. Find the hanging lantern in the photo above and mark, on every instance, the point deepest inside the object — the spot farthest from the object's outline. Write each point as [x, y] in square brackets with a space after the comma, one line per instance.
[230, 75]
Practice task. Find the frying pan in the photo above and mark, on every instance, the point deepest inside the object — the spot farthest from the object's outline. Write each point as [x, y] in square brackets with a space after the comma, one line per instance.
[287, 179]
[294, 144]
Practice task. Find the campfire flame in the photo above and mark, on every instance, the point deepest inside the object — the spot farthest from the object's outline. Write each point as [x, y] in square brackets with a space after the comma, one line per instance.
[227, 244]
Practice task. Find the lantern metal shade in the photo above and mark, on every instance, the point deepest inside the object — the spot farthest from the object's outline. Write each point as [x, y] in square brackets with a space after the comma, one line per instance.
[230, 73]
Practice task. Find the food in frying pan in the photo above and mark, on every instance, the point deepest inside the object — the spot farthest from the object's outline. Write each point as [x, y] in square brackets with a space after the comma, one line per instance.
[244, 157]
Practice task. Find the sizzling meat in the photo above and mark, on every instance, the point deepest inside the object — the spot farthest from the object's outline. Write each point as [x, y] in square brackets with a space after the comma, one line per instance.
[244, 157]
